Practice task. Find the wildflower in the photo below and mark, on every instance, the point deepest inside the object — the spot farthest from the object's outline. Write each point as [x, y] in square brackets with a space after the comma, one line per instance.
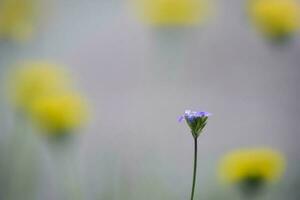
[59, 114]
[276, 18]
[172, 12]
[196, 120]
[34, 79]
[251, 168]
[17, 18]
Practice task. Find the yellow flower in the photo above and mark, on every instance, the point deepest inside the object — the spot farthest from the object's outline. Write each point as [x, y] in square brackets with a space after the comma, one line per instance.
[276, 18]
[59, 114]
[172, 12]
[34, 79]
[17, 19]
[241, 165]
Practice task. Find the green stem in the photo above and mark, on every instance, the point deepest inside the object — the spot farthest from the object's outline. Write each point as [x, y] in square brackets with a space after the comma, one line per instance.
[65, 163]
[195, 167]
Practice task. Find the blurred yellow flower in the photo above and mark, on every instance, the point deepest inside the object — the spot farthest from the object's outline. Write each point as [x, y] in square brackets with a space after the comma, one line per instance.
[242, 165]
[172, 12]
[34, 79]
[276, 18]
[17, 18]
[59, 114]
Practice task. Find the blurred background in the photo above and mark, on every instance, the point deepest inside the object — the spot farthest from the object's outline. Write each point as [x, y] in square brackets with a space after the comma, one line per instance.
[137, 77]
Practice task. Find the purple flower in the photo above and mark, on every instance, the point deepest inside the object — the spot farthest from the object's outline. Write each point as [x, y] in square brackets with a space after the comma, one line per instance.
[196, 120]
[192, 115]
